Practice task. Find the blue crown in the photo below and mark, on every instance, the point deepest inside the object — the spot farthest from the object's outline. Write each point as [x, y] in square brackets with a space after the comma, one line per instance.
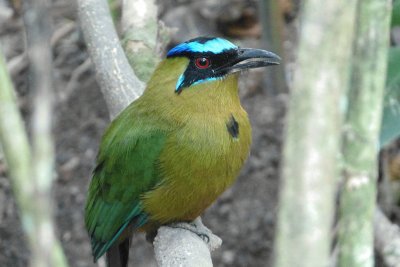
[202, 45]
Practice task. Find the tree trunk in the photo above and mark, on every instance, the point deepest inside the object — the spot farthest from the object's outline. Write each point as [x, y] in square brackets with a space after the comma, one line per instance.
[312, 140]
[361, 134]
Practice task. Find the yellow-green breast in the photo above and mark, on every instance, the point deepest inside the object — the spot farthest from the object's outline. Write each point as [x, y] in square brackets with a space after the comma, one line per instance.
[208, 144]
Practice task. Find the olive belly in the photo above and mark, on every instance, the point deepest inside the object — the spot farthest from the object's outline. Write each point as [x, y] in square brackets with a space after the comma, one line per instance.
[195, 169]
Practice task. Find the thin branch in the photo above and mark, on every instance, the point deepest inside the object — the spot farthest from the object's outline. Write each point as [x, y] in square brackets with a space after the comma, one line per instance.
[73, 82]
[17, 64]
[180, 247]
[312, 138]
[20, 62]
[117, 80]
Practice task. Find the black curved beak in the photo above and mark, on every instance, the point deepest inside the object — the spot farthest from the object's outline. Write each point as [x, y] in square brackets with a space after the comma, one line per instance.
[249, 58]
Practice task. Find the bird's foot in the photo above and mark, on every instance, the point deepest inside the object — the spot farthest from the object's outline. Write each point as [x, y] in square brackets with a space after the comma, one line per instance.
[195, 227]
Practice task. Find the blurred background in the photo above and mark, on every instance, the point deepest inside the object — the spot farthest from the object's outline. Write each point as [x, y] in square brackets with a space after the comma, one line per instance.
[244, 217]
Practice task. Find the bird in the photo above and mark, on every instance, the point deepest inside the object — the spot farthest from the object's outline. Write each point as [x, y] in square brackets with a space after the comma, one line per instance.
[168, 155]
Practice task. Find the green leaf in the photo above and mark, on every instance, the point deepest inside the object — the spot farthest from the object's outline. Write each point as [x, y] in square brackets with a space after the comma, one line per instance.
[390, 128]
[396, 13]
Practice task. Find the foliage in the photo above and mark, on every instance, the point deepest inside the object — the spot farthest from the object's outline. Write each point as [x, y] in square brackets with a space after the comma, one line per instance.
[390, 128]
[396, 13]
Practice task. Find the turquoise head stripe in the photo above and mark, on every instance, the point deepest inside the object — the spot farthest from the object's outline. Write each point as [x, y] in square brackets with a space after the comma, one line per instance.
[215, 46]
[179, 82]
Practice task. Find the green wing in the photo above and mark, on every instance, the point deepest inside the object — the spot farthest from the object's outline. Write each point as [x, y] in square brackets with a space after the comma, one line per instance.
[126, 168]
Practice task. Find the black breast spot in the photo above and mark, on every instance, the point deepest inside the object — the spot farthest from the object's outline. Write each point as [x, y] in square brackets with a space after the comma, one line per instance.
[233, 127]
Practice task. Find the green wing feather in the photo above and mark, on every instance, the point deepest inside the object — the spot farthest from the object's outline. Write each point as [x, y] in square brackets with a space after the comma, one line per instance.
[127, 167]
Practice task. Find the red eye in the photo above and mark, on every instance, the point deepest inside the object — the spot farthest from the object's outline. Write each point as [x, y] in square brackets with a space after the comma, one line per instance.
[202, 62]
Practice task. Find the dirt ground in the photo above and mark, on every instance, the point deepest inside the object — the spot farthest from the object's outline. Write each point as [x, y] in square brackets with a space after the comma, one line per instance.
[244, 216]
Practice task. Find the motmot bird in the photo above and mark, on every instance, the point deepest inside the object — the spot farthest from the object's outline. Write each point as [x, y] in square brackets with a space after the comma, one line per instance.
[174, 150]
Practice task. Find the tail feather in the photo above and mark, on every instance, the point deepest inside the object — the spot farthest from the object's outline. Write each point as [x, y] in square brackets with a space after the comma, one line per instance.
[118, 255]
[101, 247]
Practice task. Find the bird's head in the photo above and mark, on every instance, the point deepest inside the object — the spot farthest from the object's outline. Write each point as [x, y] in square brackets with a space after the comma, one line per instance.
[211, 59]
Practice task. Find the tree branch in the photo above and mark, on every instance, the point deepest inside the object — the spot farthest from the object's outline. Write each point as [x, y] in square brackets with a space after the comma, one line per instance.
[180, 247]
[140, 36]
[117, 80]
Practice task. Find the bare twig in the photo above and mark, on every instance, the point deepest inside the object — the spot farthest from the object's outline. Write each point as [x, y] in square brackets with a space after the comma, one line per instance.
[20, 62]
[73, 82]
[61, 32]
[117, 80]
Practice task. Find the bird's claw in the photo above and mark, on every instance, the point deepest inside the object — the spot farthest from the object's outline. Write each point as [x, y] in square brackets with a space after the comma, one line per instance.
[192, 227]
[205, 237]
